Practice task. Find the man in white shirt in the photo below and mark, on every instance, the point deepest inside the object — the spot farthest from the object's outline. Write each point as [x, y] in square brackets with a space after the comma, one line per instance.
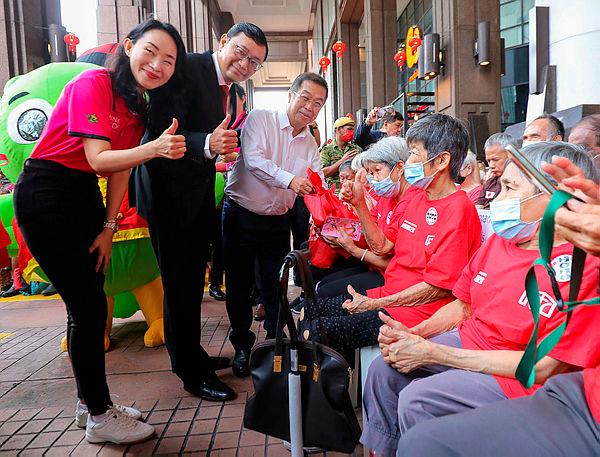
[277, 148]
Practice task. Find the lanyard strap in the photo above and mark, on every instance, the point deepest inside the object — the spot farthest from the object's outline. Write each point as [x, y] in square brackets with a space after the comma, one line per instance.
[534, 353]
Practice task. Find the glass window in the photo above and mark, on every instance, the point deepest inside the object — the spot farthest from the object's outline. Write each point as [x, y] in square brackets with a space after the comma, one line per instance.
[526, 32]
[514, 104]
[510, 14]
[419, 9]
[527, 5]
[512, 37]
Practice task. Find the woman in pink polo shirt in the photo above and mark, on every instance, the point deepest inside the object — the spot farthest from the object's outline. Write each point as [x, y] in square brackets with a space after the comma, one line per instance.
[96, 128]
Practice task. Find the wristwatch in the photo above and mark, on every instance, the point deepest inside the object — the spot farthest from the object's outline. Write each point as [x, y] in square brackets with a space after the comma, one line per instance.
[111, 224]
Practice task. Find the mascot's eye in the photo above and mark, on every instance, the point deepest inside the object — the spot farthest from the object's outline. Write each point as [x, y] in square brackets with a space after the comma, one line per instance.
[27, 120]
[31, 123]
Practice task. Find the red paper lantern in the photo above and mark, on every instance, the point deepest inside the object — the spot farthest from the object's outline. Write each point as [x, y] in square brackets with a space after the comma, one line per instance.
[339, 47]
[400, 58]
[414, 43]
[71, 41]
[324, 62]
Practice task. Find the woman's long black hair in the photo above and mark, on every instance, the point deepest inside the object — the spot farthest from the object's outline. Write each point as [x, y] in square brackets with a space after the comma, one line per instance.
[166, 101]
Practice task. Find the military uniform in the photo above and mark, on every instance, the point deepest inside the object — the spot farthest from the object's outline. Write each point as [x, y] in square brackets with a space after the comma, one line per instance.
[330, 154]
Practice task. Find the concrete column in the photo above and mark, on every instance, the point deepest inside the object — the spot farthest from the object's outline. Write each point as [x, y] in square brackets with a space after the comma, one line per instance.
[348, 70]
[115, 18]
[24, 35]
[575, 50]
[380, 38]
[464, 87]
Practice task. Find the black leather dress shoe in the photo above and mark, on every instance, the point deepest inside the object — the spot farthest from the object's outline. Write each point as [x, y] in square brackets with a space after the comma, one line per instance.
[216, 293]
[240, 366]
[221, 363]
[11, 292]
[212, 389]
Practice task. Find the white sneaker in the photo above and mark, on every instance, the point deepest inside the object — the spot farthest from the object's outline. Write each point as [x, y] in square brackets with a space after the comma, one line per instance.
[118, 428]
[81, 414]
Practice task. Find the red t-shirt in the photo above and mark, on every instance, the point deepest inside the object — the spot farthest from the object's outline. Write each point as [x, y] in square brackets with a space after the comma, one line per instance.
[87, 108]
[387, 211]
[434, 240]
[473, 194]
[494, 284]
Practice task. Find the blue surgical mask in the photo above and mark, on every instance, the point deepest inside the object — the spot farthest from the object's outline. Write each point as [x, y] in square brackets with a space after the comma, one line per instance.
[386, 187]
[506, 220]
[415, 174]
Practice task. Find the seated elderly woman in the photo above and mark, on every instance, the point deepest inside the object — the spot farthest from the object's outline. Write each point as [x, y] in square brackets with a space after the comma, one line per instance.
[473, 365]
[383, 164]
[469, 178]
[431, 240]
[563, 417]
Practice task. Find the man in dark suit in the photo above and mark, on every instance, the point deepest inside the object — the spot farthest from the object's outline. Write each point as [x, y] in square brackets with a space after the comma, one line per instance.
[177, 197]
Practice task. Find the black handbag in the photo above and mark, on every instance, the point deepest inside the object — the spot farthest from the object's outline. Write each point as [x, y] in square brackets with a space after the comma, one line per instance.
[328, 418]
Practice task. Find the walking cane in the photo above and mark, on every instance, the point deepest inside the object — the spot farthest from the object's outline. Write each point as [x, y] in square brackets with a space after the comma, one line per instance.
[295, 396]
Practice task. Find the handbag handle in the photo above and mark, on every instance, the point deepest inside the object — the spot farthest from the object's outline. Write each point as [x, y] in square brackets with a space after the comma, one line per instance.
[300, 261]
[284, 317]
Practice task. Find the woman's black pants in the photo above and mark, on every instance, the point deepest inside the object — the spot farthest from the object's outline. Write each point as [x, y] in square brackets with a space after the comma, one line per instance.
[60, 213]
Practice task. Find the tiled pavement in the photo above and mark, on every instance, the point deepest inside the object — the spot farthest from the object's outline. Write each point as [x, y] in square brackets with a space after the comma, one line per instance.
[37, 390]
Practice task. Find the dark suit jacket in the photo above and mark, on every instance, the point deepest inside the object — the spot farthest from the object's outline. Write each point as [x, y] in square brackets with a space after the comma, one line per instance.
[365, 136]
[161, 181]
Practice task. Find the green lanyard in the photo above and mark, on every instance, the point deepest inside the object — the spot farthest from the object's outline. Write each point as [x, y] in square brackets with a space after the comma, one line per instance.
[526, 370]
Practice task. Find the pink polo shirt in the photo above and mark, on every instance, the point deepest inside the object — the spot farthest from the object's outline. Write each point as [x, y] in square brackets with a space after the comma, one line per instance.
[87, 108]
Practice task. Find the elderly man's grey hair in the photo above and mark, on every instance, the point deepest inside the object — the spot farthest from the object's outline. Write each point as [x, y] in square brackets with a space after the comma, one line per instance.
[500, 139]
[388, 151]
[543, 151]
[471, 159]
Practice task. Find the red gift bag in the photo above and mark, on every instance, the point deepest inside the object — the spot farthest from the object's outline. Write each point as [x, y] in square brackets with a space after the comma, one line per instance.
[322, 204]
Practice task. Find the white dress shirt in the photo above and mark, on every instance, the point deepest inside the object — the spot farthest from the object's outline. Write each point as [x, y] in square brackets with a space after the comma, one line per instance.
[207, 152]
[270, 157]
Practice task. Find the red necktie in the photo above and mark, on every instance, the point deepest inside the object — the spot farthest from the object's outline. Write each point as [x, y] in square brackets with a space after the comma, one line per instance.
[225, 97]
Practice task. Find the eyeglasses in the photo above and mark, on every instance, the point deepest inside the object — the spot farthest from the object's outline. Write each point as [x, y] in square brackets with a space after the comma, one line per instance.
[241, 54]
[307, 101]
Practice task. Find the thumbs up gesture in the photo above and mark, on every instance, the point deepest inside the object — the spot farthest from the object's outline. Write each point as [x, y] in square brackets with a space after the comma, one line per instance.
[358, 303]
[223, 141]
[170, 145]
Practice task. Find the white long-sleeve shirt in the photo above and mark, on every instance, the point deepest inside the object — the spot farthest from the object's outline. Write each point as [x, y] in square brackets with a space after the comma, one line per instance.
[270, 157]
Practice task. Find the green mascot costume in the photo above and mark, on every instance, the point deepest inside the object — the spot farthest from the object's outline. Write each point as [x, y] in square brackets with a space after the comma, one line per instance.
[133, 278]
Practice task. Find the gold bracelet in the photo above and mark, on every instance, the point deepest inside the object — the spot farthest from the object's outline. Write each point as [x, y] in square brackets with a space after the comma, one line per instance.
[364, 254]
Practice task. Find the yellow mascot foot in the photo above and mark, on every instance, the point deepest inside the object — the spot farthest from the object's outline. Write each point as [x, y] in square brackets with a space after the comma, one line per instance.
[155, 335]
[63, 343]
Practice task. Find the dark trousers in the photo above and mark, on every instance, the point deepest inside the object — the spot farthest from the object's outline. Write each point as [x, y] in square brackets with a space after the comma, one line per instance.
[337, 283]
[299, 222]
[217, 265]
[248, 238]
[300, 225]
[60, 213]
[180, 229]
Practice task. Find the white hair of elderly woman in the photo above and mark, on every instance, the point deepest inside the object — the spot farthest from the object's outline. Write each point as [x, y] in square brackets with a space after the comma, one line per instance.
[388, 151]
